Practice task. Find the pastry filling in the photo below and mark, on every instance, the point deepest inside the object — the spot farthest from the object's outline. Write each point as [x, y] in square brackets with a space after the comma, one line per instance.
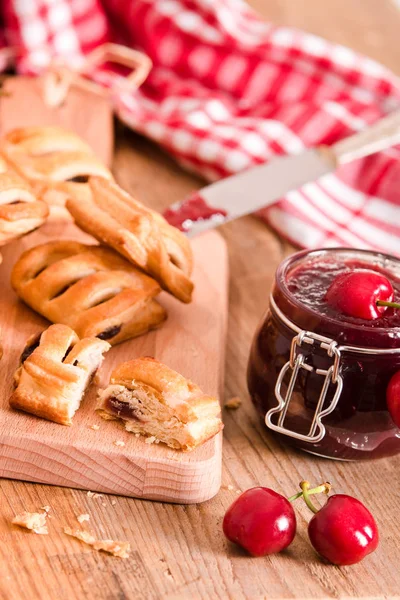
[30, 348]
[109, 333]
[79, 179]
[123, 410]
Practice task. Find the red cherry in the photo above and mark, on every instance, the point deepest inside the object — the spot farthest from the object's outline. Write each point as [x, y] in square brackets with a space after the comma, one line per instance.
[357, 292]
[393, 398]
[343, 531]
[261, 521]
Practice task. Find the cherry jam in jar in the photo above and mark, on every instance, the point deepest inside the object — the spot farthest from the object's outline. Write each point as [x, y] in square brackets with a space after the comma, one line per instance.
[319, 377]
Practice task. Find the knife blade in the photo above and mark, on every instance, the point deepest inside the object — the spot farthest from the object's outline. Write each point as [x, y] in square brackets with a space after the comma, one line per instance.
[261, 186]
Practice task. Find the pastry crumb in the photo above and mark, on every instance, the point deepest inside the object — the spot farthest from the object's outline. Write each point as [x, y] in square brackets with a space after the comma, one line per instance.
[137, 434]
[35, 522]
[113, 502]
[120, 549]
[82, 518]
[169, 575]
[94, 495]
[94, 427]
[46, 508]
[233, 403]
[119, 443]
[238, 491]
[151, 439]
[104, 504]
[230, 488]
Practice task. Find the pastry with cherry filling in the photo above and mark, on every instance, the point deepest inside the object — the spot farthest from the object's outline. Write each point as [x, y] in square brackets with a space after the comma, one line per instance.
[92, 289]
[140, 234]
[55, 371]
[56, 162]
[153, 400]
[21, 211]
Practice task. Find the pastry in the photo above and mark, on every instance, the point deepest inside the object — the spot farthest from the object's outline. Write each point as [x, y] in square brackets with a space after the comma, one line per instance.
[90, 288]
[55, 371]
[141, 235]
[152, 399]
[20, 210]
[55, 161]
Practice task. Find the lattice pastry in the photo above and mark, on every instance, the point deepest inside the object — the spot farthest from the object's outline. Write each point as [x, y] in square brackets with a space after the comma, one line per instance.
[56, 369]
[20, 210]
[152, 399]
[90, 288]
[55, 161]
[141, 235]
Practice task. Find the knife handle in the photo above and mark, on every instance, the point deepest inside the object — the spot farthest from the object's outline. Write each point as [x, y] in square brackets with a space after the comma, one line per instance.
[379, 136]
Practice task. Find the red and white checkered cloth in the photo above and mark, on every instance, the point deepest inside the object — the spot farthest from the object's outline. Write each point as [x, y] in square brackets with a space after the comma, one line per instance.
[229, 91]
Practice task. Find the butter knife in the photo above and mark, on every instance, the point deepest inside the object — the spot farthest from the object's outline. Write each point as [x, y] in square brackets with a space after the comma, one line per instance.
[264, 185]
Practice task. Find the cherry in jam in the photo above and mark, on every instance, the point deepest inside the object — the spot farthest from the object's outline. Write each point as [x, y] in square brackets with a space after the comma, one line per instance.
[310, 283]
[360, 426]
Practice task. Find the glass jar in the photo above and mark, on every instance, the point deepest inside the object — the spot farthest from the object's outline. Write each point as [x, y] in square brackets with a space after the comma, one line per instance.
[320, 381]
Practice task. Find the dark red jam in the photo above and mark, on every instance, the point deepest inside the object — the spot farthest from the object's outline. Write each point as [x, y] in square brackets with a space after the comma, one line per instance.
[191, 210]
[360, 426]
[310, 281]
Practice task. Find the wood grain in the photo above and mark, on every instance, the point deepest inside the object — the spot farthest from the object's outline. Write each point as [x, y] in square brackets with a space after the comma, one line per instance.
[192, 342]
[84, 112]
[179, 551]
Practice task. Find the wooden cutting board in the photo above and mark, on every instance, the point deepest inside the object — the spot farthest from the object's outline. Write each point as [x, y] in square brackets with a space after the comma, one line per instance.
[84, 112]
[191, 341]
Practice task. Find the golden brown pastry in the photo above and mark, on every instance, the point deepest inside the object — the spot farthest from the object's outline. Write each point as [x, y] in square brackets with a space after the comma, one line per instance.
[141, 235]
[90, 288]
[20, 210]
[55, 161]
[55, 372]
[152, 399]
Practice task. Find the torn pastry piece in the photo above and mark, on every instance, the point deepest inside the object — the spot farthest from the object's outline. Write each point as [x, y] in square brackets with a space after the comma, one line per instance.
[233, 403]
[55, 161]
[141, 235]
[120, 549]
[153, 400]
[35, 522]
[56, 368]
[90, 288]
[20, 209]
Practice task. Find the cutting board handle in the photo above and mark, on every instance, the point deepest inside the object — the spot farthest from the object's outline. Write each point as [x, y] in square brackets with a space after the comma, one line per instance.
[58, 78]
[379, 136]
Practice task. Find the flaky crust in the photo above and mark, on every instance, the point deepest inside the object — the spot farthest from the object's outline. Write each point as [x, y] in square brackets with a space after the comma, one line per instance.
[164, 404]
[90, 288]
[52, 379]
[47, 157]
[21, 211]
[141, 235]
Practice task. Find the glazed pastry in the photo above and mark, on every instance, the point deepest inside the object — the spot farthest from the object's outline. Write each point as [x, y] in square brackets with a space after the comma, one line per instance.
[56, 368]
[152, 399]
[90, 288]
[56, 193]
[141, 235]
[20, 210]
[55, 161]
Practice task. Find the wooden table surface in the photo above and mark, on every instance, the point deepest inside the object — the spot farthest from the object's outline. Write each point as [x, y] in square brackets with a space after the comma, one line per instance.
[179, 551]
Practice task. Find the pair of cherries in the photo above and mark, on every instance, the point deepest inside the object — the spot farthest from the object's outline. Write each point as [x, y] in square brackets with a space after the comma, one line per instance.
[263, 522]
[367, 294]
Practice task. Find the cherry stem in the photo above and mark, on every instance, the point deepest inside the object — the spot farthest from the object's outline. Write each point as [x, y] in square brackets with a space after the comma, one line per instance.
[390, 304]
[323, 488]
